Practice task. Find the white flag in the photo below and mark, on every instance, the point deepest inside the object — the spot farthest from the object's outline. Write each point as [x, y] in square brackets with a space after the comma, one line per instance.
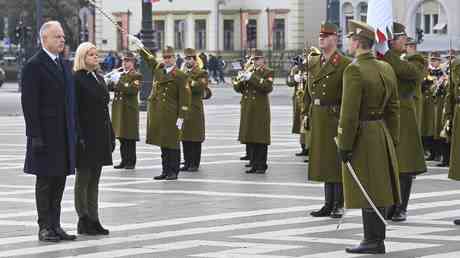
[380, 17]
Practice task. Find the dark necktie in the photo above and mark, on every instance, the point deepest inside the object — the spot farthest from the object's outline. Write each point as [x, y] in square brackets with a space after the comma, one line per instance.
[58, 64]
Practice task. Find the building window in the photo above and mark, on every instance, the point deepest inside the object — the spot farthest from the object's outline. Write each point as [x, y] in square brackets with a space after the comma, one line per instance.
[229, 30]
[159, 33]
[251, 32]
[200, 34]
[179, 34]
[347, 10]
[279, 31]
[431, 17]
[363, 12]
[119, 37]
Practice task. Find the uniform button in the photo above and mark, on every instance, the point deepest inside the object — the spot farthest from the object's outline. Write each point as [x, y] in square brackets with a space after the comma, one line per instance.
[327, 77]
[163, 100]
[324, 85]
[324, 93]
[164, 94]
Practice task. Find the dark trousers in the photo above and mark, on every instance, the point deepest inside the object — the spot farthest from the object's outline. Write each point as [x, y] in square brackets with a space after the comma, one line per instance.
[128, 151]
[258, 155]
[170, 159]
[86, 192]
[48, 197]
[374, 229]
[192, 154]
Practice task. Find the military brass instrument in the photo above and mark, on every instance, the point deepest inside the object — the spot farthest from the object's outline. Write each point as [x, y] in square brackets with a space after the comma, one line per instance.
[249, 66]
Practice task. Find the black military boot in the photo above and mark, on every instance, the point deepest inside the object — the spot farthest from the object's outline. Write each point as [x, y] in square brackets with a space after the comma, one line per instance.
[401, 210]
[325, 211]
[457, 222]
[337, 208]
[120, 166]
[303, 152]
[374, 235]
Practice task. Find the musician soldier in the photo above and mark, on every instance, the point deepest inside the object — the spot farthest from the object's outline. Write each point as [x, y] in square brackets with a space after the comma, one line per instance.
[125, 110]
[194, 125]
[169, 103]
[255, 83]
[367, 133]
[410, 149]
[296, 80]
[322, 107]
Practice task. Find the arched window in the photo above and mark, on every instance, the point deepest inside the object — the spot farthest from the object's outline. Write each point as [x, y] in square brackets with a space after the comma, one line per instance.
[347, 10]
[362, 11]
[431, 18]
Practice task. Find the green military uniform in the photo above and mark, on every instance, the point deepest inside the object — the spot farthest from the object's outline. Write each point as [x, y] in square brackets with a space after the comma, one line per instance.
[255, 114]
[125, 116]
[322, 103]
[411, 155]
[419, 61]
[367, 133]
[297, 106]
[453, 116]
[169, 102]
[194, 125]
[429, 106]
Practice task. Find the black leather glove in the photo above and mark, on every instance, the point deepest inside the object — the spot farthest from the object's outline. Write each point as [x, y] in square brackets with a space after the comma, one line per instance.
[345, 155]
[38, 146]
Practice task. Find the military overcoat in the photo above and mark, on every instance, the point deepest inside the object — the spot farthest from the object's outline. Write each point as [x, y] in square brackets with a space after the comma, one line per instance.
[369, 127]
[194, 124]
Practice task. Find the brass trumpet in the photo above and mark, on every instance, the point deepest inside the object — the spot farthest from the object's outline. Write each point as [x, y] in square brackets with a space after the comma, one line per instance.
[249, 66]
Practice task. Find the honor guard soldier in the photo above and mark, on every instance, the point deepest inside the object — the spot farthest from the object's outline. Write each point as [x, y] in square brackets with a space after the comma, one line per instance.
[410, 151]
[125, 111]
[416, 58]
[452, 124]
[296, 80]
[367, 133]
[169, 103]
[194, 126]
[255, 83]
[322, 103]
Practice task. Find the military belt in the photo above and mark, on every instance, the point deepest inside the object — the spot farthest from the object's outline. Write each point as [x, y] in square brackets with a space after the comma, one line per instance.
[325, 103]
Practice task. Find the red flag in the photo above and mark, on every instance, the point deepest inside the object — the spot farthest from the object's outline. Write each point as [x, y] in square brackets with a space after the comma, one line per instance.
[380, 16]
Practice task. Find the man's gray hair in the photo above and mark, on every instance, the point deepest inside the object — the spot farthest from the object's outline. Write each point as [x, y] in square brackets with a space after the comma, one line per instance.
[46, 26]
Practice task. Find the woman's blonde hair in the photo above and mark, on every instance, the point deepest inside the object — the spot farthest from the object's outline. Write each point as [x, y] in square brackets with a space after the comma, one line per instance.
[80, 56]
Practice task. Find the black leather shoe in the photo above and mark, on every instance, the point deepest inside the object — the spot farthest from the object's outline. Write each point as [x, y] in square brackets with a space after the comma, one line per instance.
[302, 153]
[193, 169]
[457, 222]
[399, 215]
[100, 229]
[160, 177]
[130, 167]
[367, 247]
[251, 171]
[48, 235]
[184, 168]
[259, 171]
[119, 166]
[325, 211]
[248, 165]
[63, 235]
[171, 177]
[443, 164]
[337, 213]
[244, 158]
[306, 161]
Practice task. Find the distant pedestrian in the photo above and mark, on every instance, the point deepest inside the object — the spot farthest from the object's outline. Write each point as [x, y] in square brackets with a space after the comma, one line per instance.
[179, 61]
[220, 69]
[109, 62]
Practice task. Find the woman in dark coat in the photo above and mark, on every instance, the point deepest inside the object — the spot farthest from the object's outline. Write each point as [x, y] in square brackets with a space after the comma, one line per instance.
[97, 139]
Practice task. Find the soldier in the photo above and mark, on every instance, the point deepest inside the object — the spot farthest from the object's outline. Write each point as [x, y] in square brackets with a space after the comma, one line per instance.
[439, 88]
[194, 126]
[255, 85]
[410, 151]
[125, 111]
[416, 58]
[367, 133]
[453, 121]
[322, 103]
[295, 79]
[169, 103]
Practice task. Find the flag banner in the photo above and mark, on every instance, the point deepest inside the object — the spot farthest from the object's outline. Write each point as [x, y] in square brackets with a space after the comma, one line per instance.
[380, 16]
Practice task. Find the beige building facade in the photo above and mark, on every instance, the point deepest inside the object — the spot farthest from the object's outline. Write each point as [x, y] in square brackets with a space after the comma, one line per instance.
[211, 25]
[438, 19]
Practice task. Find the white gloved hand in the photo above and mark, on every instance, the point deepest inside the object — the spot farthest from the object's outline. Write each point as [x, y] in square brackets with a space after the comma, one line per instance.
[179, 123]
[115, 77]
[298, 78]
[247, 76]
[137, 43]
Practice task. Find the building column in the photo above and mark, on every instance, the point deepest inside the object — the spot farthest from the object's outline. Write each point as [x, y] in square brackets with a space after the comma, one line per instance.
[169, 30]
[190, 31]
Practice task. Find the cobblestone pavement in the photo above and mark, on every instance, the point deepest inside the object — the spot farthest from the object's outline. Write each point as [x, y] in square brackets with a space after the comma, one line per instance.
[219, 211]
